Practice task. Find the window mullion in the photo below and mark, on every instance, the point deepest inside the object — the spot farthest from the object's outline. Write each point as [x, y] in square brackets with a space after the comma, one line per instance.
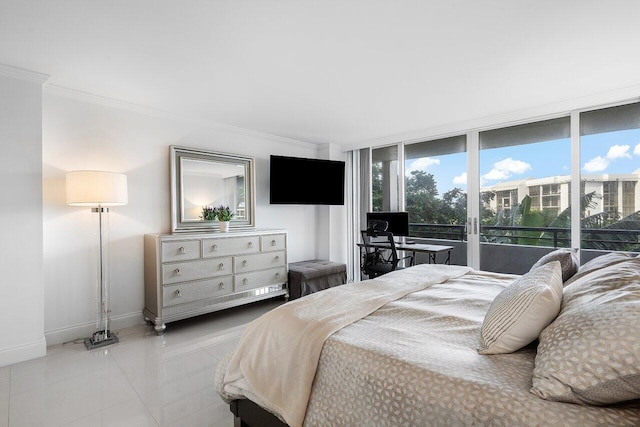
[575, 181]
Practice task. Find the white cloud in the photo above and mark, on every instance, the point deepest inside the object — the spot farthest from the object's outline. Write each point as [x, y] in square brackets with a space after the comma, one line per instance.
[596, 164]
[460, 179]
[636, 150]
[618, 152]
[422, 164]
[505, 168]
[496, 175]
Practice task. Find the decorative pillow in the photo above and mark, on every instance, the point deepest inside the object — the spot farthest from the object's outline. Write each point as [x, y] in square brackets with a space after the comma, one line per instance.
[522, 310]
[591, 353]
[568, 261]
[599, 262]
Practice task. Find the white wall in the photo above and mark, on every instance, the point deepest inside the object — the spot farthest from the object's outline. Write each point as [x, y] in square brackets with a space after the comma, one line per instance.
[332, 221]
[84, 135]
[21, 306]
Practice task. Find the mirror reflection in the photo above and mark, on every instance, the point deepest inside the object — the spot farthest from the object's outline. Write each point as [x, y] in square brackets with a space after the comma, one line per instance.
[212, 184]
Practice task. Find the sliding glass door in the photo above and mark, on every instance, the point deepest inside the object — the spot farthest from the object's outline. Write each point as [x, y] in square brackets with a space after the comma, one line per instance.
[609, 188]
[436, 193]
[525, 193]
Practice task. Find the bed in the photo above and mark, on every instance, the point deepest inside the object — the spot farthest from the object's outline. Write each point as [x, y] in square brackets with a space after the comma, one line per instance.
[405, 353]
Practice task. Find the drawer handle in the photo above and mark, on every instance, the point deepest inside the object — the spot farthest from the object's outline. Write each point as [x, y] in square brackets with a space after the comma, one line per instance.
[277, 257]
[221, 285]
[182, 250]
[250, 244]
[214, 247]
[244, 263]
[221, 266]
[178, 294]
[178, 272]
[245, 281]
[273, 242]
[277, 275]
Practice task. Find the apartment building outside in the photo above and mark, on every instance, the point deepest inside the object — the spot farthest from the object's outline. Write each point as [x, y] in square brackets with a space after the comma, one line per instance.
[616, 194]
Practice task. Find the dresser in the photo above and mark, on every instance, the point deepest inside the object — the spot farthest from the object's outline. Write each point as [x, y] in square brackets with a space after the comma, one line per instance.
[191, 274]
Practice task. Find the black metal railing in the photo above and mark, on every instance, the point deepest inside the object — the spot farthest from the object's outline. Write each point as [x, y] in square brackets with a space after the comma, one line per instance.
[592, 238]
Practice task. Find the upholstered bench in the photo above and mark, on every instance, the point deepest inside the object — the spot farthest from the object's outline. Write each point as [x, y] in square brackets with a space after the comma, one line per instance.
[307, 277]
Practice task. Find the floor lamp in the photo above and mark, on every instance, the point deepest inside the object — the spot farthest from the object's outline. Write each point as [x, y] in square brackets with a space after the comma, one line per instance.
[99, 190]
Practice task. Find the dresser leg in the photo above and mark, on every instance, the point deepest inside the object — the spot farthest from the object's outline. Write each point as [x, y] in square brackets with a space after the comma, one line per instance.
[160, 328]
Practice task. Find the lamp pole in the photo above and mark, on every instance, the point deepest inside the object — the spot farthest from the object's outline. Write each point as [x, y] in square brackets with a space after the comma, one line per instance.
[103, 335]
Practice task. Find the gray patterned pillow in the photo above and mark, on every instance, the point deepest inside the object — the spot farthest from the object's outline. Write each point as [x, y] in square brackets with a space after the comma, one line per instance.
[597, 263]
[522, 310]
[568, 261]
[591, 353]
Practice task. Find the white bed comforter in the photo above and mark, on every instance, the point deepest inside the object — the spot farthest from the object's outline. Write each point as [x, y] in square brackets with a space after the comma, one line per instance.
[275, 362]
[411, 362]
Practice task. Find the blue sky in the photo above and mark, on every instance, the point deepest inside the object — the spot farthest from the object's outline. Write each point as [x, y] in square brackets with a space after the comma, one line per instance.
[613, 152]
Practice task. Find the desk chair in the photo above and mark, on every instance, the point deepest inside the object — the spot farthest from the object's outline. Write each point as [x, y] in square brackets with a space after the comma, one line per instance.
[377, 261]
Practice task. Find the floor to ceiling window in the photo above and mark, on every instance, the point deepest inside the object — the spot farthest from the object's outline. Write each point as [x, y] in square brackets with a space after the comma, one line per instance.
[529, 190]
[525, 180]
[436, 188]
[610, 171]
[385, 190]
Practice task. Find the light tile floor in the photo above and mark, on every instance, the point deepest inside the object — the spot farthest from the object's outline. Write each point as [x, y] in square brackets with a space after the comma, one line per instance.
[144, 380]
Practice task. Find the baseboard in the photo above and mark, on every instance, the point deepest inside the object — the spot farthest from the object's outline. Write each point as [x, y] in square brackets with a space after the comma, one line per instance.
[23, 352]
[83, 330]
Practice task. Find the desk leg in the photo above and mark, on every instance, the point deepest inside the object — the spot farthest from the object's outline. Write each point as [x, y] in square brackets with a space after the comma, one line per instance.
[432, 258]
[448, 260]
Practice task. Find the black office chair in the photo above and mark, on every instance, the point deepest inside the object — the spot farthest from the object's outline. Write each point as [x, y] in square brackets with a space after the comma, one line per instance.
[377, 260]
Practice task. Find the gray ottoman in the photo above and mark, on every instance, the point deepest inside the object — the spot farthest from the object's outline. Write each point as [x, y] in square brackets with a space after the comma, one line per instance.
[307, 277]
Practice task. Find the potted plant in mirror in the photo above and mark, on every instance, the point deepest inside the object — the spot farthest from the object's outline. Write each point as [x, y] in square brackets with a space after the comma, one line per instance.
[222, 213]
[208, 213]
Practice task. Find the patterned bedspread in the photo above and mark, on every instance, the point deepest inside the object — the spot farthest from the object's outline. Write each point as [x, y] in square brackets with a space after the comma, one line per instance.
[414, 362]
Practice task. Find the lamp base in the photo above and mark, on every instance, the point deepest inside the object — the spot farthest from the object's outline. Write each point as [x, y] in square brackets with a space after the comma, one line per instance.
[100, 339]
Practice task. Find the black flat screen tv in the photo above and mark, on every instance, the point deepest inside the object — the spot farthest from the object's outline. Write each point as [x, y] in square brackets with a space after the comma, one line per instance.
[301, 181]
[398, 221]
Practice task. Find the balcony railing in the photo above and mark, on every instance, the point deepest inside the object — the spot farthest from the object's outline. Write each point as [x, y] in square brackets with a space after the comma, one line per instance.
[592, 238]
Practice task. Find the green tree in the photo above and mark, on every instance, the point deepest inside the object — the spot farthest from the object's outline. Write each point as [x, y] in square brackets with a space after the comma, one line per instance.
[424, 205]
[453, 207]
[376, 187]
[421, 195]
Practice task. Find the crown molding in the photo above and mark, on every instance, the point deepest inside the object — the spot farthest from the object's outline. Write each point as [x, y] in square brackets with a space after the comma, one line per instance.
[22, 74]
[526, 115]
[104, 101]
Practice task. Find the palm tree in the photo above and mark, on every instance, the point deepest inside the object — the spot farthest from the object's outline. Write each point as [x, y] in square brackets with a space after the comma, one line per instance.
[618, 238]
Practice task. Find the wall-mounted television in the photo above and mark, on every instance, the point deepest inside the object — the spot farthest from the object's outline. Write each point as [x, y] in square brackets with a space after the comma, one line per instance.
[301, 181]
[398, 221]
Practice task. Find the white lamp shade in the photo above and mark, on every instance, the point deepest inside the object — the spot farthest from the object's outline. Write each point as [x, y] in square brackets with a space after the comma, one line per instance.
[96, 188]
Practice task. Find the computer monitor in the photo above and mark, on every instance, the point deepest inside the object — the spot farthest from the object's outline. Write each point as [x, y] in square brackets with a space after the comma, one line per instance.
[398, 221]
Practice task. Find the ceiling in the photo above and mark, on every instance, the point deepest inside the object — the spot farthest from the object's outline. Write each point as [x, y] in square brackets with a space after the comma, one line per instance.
[339, 71]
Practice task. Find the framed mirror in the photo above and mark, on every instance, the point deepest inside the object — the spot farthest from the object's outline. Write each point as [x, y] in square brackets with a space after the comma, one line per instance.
[201, 178]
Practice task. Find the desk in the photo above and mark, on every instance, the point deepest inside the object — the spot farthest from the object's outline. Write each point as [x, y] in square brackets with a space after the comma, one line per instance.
[431, 250]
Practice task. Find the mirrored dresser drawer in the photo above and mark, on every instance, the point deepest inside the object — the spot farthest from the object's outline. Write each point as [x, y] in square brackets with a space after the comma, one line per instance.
[191, 274]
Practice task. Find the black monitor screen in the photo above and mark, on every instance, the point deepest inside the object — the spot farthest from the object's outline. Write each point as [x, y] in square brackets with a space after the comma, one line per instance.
[398, 221]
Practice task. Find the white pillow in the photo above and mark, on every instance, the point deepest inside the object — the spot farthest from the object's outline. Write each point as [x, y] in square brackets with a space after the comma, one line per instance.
[591, 353]
[522, 310]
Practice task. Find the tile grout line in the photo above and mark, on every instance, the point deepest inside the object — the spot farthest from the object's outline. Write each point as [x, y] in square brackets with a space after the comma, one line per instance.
[144, 404]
